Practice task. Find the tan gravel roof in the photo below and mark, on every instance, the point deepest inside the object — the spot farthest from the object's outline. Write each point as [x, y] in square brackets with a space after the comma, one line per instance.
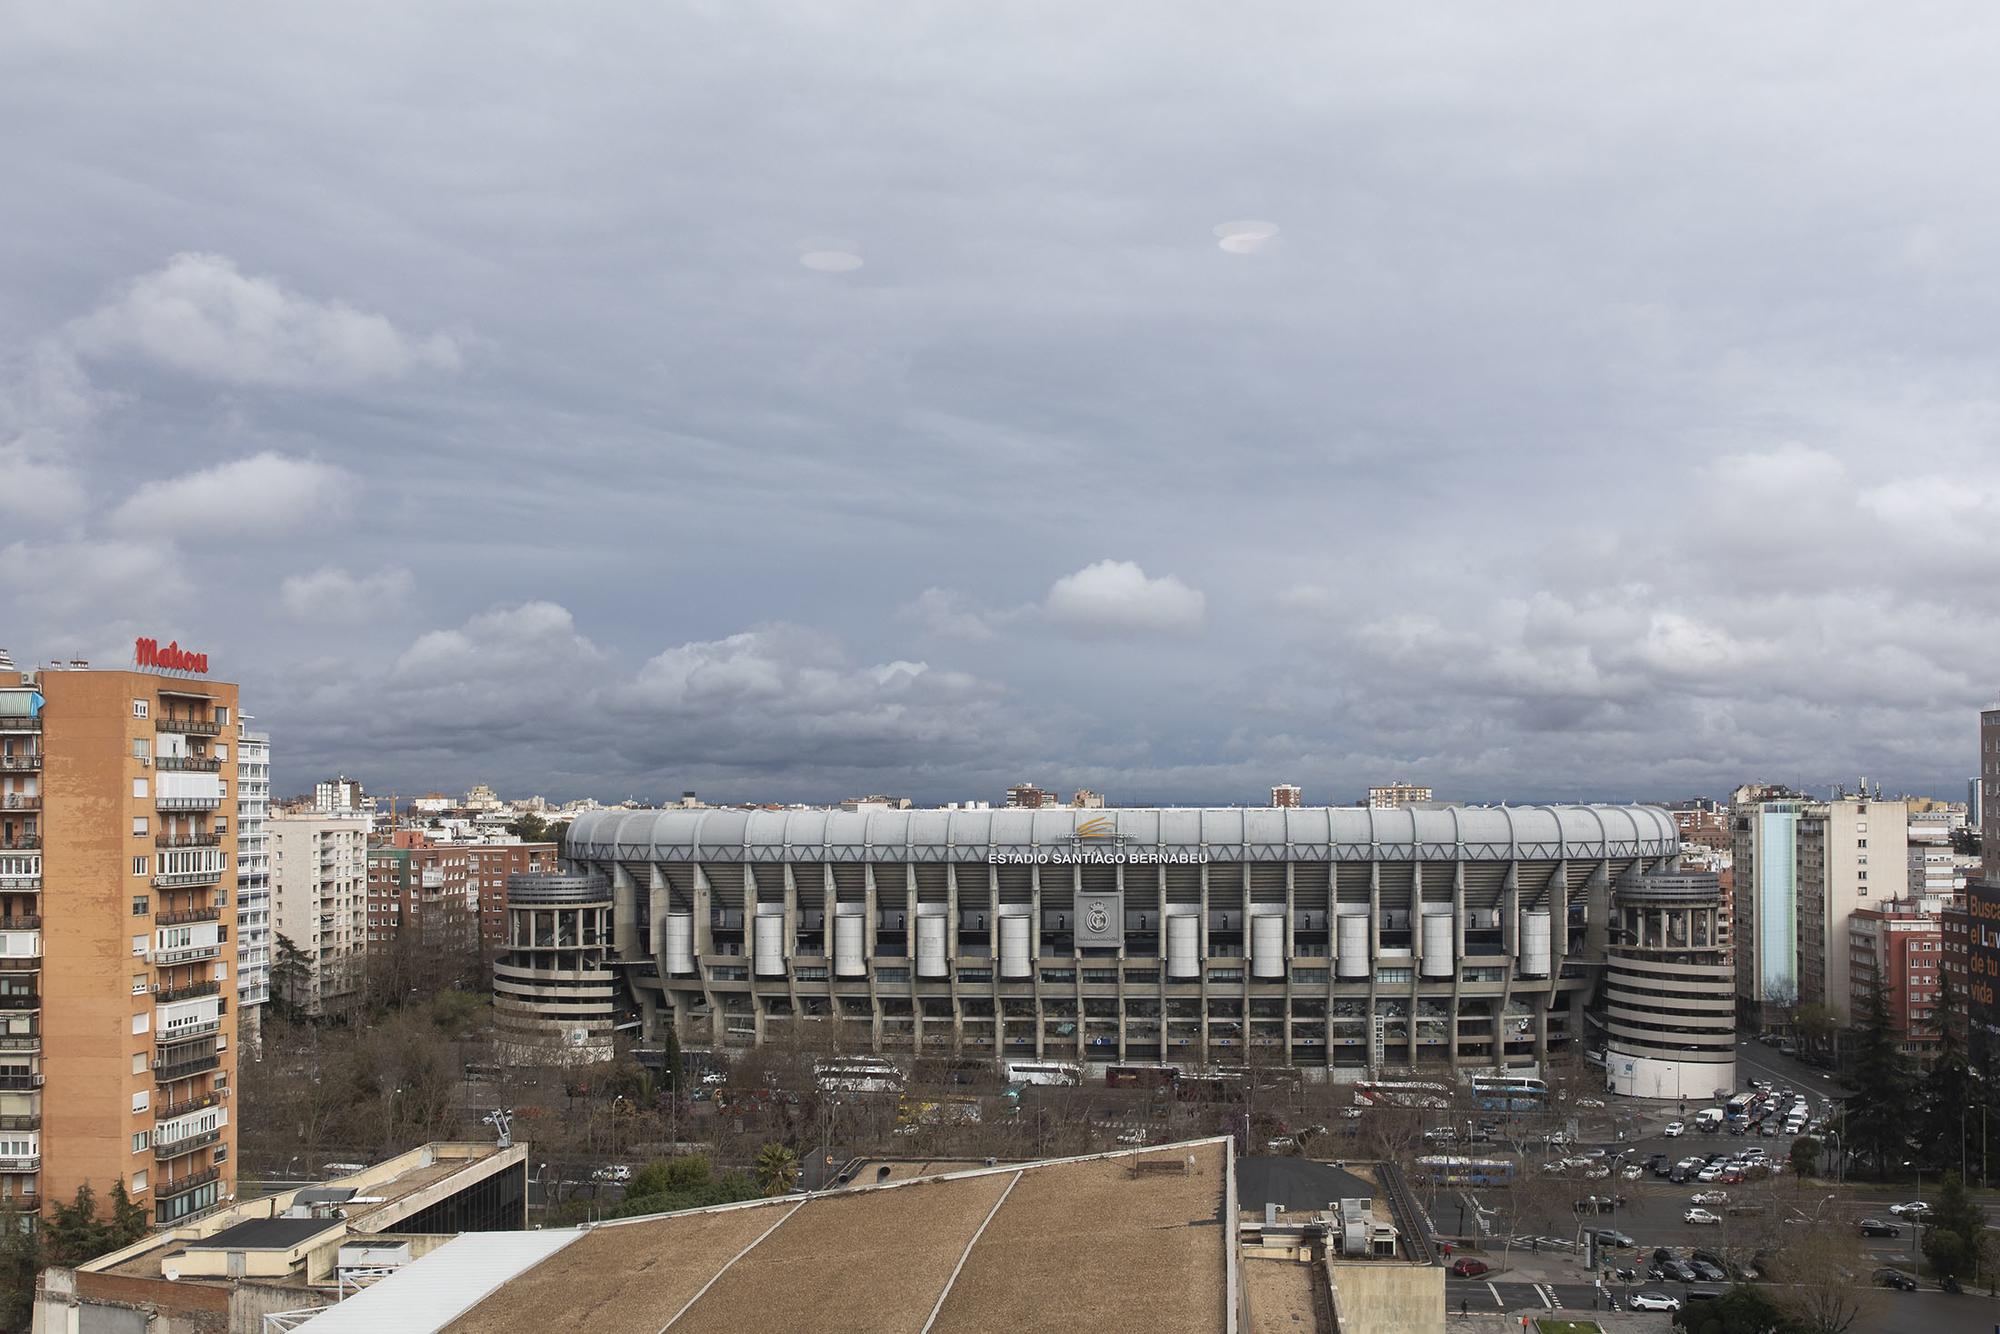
[1078, 1243]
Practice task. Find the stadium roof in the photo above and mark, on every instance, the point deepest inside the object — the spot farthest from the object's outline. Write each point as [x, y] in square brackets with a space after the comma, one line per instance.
[1334, 833]
[1129, 1241]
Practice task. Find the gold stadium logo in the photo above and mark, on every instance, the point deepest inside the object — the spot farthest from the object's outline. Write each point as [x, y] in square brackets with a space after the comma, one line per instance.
[1097, 826]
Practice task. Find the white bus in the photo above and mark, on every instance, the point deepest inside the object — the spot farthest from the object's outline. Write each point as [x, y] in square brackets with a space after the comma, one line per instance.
[1067, 1073]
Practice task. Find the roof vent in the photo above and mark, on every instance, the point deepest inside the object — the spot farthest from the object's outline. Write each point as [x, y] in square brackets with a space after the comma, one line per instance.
[6, 661]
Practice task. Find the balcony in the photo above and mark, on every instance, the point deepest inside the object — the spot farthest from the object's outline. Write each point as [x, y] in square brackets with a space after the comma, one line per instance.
[26, 763]
[182, 1185]
[21, 874]
[185, 1105]
[20, 1000]
[20, 842]
[208, 1028]
[28, 1042]
[207, 840]
[199, 802]
[21, 801]
[184, 723]
[182, 916]
[29, 1163]
[29, 1121]
[182, 954]
[185, 1144]
[165, 1071]
[20, 722]
[23, 922]
[20, 1081]
[188, 764]
[187, 991]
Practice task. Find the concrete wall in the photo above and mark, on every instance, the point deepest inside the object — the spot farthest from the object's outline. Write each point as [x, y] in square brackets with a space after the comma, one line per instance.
[1387, 1298]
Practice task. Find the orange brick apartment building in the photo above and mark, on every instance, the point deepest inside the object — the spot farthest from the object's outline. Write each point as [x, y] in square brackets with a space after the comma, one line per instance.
[116, 858]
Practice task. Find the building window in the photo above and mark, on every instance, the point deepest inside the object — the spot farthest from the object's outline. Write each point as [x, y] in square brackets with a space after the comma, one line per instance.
[141, 1022]
[142, 1140]
[141, 904]
[142, 748]
[139, 826]
[222, 714]
[139, 946]
[139, 708]
[138, 866]
[139, 1101]
[138, 1062]
[138, 1182]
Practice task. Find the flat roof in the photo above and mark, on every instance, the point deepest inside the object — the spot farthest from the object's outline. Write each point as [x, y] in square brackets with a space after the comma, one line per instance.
[267, 1234]
[1126, 1240]
[383, 1188]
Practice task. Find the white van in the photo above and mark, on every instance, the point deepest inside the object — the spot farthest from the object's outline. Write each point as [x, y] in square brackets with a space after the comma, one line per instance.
[1708, 1120]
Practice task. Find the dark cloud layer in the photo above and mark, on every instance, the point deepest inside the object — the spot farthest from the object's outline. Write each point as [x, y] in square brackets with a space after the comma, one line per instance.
[786, 401]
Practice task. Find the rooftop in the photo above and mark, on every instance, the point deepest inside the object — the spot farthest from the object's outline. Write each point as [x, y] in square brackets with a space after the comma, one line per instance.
[376, 1200]
[1080, 1242]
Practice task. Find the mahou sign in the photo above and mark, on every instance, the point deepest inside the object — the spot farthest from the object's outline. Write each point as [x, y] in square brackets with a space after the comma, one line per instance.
[172, 658]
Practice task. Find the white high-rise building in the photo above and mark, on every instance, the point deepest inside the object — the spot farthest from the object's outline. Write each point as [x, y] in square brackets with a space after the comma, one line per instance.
[319, 904]
[253, 883]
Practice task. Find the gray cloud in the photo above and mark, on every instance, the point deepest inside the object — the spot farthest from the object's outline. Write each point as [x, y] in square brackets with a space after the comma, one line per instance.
[1585, 428]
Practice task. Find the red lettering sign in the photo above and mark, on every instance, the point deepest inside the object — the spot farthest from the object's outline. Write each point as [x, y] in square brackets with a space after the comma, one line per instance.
[172, 657]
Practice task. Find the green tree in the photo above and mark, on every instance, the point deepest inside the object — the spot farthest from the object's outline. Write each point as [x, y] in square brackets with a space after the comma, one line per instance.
[74, 1234]
[1947, 1087]
[1955, 1231]
[529, 828]
[291, 976]
[688, 1182]
[1805, 1155]
[777, 1169]
[129, 1220]
[1879, 1110]
[20, 1261]
[1741, 1310]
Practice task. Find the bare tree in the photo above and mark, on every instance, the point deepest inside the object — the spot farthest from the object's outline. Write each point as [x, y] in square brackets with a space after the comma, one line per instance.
[1827, 1283]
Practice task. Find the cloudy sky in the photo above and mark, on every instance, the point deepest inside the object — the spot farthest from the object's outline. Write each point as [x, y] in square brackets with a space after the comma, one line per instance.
[790, 401]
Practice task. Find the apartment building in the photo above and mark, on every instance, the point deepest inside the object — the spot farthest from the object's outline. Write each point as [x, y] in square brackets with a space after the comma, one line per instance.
[319, 907]
[1903, 949]
[339, 796]
[253, 883]
[1391, 796]
[1287, 796]
[1802, 868]
[117, 1039]
[1853, 854]
[425, 889]
[487, 867]
[1027, 796]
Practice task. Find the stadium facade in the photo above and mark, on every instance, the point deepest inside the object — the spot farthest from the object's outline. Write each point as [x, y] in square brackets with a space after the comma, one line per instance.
[1336, 939]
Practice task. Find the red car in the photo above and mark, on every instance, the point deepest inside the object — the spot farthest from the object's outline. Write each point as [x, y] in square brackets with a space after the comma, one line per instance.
[1469, 1268]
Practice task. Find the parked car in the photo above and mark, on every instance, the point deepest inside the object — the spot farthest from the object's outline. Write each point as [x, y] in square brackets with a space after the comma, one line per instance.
[1914, 1209]
[1710, 1258]
[1700, 1216]
[1632, 1172]
[1894, 1278]
[618, 1172]
[1709, 1197]
[1592, 1103]
[1674, 1130]
[1709, 1272]
[1611, 1236]
[1467, 1267]
[1875, 1227]
[1653, 1301]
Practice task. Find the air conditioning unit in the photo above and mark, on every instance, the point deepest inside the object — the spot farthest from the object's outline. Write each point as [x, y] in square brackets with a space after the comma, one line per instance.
[145, 761]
